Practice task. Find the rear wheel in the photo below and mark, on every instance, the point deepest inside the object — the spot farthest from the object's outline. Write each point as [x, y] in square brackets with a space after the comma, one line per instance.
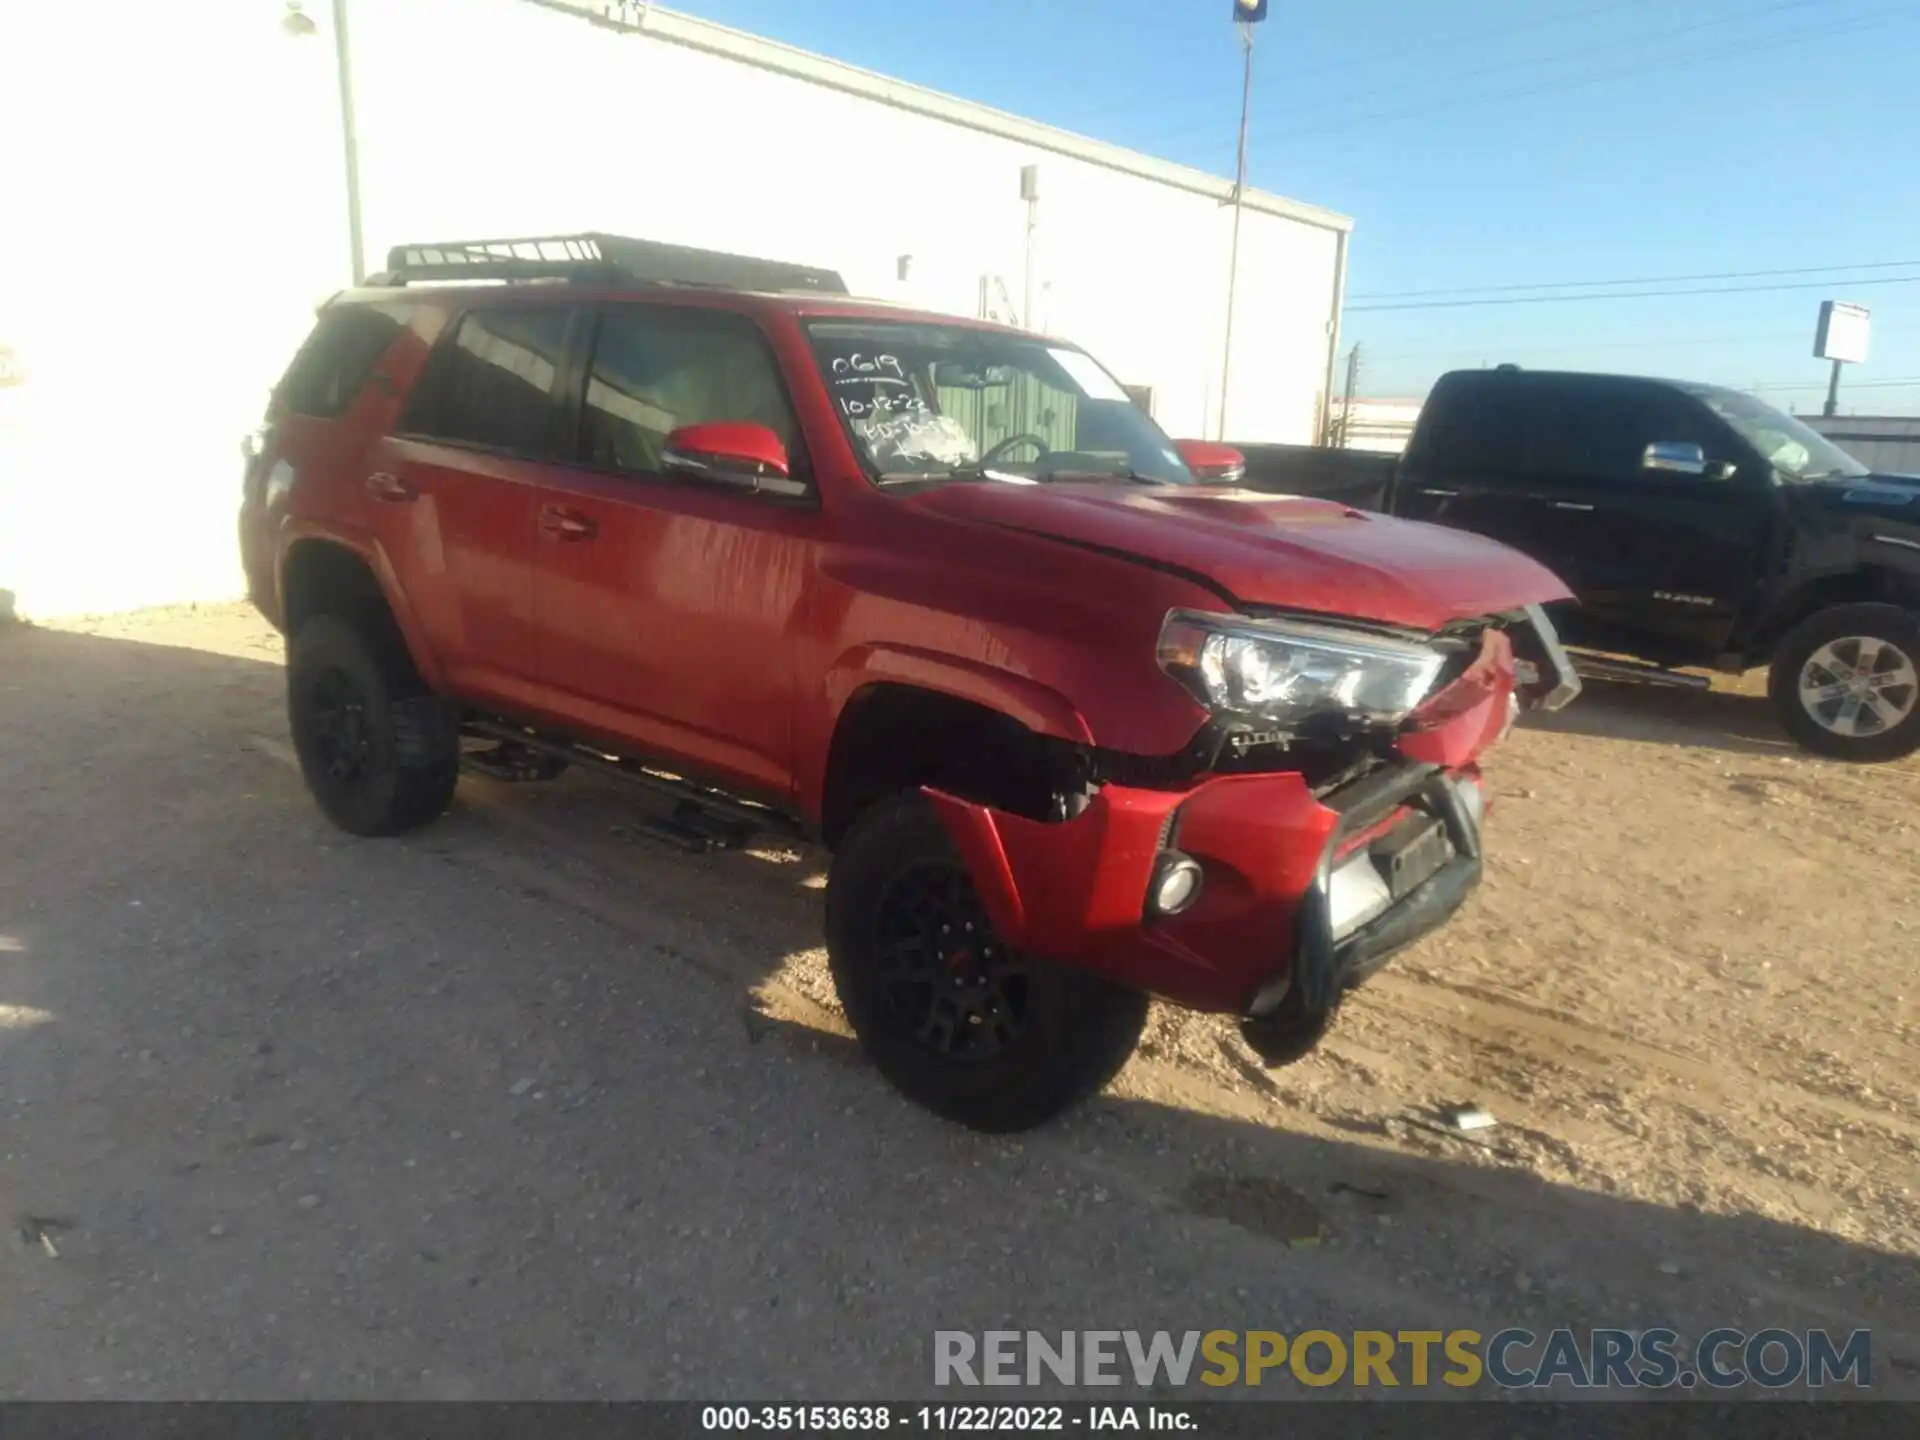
[1846, 683]
[975, 1032]
[379, 754]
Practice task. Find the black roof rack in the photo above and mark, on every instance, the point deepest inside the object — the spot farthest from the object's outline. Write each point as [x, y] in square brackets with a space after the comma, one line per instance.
[598, 260]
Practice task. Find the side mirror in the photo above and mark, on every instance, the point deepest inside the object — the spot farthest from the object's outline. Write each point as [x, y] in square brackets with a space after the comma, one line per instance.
[737, 453]
[1675, 457]
[1211, 462]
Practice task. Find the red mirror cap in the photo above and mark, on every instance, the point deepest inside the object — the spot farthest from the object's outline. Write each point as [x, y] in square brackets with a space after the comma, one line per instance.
[1210, 460]
[730, 444]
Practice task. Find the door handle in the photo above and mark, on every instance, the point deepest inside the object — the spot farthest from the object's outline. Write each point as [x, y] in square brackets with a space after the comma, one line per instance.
[564, 524]
[391, 488]
[1429, 490]
[1570, 505]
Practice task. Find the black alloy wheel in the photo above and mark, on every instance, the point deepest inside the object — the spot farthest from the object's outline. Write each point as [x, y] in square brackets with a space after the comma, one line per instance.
[954, 1018]
[960, 991]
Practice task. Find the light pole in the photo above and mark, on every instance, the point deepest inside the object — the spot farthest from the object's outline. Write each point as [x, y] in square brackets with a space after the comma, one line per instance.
[349, 136]
[1246, 14]
[298, 23]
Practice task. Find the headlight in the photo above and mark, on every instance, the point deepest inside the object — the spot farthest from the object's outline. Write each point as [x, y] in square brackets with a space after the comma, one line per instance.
[1282, 673]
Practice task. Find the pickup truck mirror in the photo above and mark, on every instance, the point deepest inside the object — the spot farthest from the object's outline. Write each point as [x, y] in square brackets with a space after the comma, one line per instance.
[1675, 457]
[737, 453]
[1211, 462]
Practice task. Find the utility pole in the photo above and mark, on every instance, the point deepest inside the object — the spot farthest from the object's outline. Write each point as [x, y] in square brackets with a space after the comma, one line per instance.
[1239, 190]
[1353, 384]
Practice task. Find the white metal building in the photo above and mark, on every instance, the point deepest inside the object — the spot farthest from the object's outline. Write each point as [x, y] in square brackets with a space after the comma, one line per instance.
[182, 165]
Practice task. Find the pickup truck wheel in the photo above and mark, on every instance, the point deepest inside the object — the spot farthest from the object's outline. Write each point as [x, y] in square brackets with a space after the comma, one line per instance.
[1846, 683]
[379, 755]
[975, 1032]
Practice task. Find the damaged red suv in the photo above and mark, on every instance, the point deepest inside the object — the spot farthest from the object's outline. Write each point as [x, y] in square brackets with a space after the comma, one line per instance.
[1080, 721]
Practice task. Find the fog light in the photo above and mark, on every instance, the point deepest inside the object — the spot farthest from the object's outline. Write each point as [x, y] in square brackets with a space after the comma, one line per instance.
[1176, 883]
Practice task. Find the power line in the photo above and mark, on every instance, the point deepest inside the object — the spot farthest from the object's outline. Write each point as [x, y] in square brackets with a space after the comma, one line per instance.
[1472, 291]
[1627, 295]
[1333, 66]
[1901, 383]
[1876, 20]
[1533, 62]
[1652, 343]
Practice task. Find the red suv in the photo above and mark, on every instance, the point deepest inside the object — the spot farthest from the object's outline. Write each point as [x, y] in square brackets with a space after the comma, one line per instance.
[1080, 721]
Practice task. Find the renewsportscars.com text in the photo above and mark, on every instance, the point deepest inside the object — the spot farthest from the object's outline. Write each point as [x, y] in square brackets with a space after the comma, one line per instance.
[1513, 1359]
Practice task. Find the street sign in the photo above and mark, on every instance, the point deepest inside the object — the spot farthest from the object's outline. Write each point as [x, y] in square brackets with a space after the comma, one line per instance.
[1843, 332]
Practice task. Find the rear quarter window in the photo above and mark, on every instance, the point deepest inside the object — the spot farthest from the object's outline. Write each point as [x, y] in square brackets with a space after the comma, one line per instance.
[1469, 424]
[330, 369]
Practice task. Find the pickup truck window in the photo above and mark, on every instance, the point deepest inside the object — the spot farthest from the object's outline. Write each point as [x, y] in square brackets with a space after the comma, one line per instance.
[1470, 428]
[657, 367]
[491, 383]
[935, 401]
[1600, 429]
[1797, 451]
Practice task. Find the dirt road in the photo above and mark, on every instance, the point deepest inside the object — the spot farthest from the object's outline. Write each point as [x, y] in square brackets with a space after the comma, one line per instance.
[527, 1105]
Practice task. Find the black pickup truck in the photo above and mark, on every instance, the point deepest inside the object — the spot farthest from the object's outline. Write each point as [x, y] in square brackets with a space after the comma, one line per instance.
[1698, 527]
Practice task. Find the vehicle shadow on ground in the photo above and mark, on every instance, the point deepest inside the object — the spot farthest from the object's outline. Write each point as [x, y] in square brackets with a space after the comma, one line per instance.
[111, 748]
[1663, 715]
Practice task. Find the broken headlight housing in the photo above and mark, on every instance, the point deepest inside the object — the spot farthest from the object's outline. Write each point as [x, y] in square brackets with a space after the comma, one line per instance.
[1284, 673]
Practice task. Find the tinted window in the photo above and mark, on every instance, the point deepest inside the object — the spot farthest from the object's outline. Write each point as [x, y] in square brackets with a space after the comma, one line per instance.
[656, 369]
[1601, 429]
[341, 352]
[491, 382]
[1471, 425]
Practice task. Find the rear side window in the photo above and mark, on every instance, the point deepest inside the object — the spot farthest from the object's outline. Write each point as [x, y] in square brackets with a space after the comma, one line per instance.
[491, 382]
[1471, 425]
[345, 345]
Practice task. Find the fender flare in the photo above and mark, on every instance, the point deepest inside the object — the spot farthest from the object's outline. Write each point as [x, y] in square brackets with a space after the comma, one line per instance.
[1040, 708]
[369, 552]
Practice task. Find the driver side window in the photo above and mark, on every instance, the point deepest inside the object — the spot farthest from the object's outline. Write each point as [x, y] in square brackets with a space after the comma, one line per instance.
[657, 368]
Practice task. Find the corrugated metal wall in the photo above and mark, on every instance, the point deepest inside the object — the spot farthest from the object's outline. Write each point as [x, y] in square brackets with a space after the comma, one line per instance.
[1888, 444]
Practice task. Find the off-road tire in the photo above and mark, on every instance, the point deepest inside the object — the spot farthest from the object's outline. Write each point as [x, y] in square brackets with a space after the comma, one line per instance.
[406, 743]
[1076, 1030]
[1896, 629]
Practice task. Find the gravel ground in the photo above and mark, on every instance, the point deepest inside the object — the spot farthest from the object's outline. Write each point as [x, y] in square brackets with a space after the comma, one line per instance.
[528, 1106]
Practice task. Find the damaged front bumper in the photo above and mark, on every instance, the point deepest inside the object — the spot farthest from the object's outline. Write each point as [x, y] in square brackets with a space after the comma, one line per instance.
[1303, 896]
[1298, 890]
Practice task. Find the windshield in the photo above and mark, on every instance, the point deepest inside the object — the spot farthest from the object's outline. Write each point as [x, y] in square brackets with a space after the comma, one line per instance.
[1795, 449]
[924, 400]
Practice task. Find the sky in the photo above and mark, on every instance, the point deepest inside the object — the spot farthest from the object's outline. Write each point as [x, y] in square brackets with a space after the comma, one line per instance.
[1504, 143]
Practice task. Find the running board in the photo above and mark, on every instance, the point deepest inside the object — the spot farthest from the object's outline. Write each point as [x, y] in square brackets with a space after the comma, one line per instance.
[1592, 668]
[702, 820]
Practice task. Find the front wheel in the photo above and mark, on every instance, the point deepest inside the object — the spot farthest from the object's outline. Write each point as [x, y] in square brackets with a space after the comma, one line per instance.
[978, 1033]
[1846, 683]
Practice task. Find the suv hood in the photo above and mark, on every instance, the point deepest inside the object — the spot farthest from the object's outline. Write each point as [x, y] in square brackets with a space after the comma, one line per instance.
[1278, 550]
